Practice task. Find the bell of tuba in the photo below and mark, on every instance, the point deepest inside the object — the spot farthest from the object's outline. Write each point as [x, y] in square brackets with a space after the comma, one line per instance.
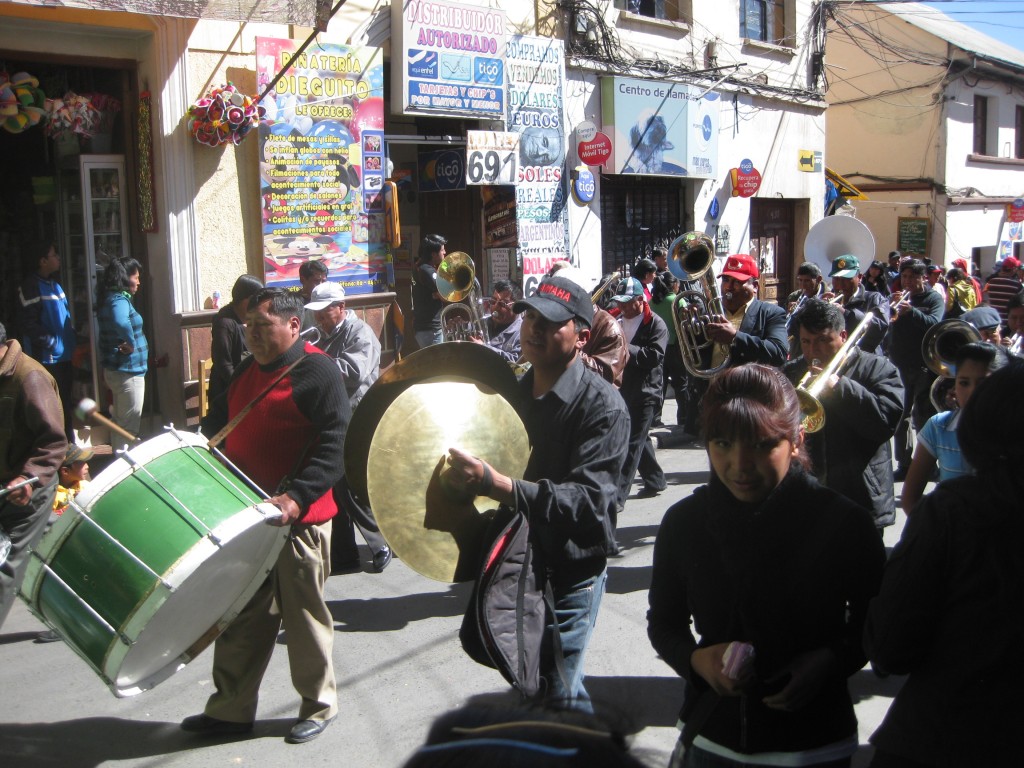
[691, 258]
[938, 348]
[456, 282]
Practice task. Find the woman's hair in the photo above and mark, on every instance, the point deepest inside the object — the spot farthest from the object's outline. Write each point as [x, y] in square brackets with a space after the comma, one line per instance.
[992, 423]
[245, 287]
[752, 402]
[664, 286]
[644, 267]
[114, 278]
[876, 264]
[991, 356]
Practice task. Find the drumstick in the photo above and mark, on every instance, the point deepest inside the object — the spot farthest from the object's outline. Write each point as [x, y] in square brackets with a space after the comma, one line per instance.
[16, 486]
[88, 411]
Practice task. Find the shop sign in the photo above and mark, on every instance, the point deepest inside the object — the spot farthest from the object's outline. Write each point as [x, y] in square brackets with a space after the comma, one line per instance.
[746, 179]
[809, 161]
[454, 59]
[660, 128]
[1015, 210]
[322, 163]
[534, 85]
[583, 185]
[491, 157]
[442, 170]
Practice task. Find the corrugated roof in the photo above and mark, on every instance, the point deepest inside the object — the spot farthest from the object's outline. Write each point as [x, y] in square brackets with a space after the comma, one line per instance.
[962, 36]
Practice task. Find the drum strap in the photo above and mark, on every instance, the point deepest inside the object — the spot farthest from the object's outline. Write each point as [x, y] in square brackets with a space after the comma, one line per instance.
[222, 435]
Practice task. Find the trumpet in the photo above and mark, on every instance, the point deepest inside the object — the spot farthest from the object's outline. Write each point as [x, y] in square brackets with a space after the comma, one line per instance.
[809, 390]
[898, 300]
[796, 307]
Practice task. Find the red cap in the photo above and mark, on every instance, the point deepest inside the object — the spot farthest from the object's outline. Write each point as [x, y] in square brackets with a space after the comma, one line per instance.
[961, 263]
[1012, 262]
[742, 267]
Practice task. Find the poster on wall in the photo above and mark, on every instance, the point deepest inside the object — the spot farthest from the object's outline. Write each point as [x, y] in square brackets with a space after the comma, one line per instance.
[454, 59]
[660, 128]
[322, 163]
[536, 111]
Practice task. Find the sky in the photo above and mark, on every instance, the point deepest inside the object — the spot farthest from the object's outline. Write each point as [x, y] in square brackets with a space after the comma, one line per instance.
[1001, 19]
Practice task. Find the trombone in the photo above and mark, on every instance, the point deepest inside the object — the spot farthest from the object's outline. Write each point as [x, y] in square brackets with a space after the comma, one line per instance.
[809, 390]
[456, 280]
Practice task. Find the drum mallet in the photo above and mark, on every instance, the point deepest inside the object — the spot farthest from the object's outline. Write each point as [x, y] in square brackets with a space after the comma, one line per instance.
[16, 486]
[88, 411]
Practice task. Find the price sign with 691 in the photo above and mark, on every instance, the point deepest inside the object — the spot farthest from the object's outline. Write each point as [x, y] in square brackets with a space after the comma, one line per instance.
[491, 157]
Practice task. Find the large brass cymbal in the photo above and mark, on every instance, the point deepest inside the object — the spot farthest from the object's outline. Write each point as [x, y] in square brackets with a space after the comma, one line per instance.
[434, 533]
[456, 359]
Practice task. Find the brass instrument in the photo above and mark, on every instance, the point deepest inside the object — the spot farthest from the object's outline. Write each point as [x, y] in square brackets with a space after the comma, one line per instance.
[456, 280]
[938, 349]
[898, 300]
[312, 335]
[810, 387]
[609, 281]
[691, 258]
[1016, 347]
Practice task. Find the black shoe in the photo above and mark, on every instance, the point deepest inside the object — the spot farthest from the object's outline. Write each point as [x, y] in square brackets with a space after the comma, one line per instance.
[210, 726]
[899, 475]
[49, 636]
[381, 559]
[307, 730]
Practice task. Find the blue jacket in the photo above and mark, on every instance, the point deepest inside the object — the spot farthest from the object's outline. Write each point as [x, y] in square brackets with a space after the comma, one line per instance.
[119, 321]
[47, 332]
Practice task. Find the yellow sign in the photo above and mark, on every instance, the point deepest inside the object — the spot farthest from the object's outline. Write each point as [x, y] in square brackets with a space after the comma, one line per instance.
[808, 160]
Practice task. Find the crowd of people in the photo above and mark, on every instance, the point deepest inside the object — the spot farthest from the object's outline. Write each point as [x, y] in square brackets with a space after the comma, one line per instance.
[770, 584]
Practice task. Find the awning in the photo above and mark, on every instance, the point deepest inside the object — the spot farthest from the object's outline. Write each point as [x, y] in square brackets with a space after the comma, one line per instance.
[301, 12]
[845, 188]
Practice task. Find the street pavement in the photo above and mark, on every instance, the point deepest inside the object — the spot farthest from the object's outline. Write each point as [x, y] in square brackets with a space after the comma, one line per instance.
[398, 662]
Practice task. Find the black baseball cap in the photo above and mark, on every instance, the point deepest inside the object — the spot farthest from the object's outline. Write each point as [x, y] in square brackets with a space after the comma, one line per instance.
[558, 299]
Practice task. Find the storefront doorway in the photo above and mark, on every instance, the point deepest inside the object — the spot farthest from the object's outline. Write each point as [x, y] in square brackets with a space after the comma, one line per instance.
[68, 183]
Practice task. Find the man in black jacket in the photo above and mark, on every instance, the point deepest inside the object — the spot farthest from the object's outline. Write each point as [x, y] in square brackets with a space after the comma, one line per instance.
[751, 331]
[641, 388]
[917, 308]
[857, 301]
[863, 403]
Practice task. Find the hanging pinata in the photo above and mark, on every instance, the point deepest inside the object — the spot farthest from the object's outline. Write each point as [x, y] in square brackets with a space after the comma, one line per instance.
[22, 104]
[224, 115]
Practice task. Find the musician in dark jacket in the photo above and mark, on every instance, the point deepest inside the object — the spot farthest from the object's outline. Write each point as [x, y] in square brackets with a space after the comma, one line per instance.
[917, 308]
[641, 388]
[753, 331]
[863, 403]
[857, 301]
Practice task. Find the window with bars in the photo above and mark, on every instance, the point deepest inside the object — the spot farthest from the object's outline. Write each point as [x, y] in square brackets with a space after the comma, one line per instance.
[637, 214]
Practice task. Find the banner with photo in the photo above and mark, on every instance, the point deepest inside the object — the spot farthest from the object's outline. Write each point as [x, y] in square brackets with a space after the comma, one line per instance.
[534, 86]
[322, 164]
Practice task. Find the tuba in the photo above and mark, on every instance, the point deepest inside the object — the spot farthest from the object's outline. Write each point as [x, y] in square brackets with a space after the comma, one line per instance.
[456, 280]
[691, 258]
[939, 347]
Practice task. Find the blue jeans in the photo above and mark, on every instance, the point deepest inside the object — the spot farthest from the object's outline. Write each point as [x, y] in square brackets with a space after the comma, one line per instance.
[575, 615]
[427, 338]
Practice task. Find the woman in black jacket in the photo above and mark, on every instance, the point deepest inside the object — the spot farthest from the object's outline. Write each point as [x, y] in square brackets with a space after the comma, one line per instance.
[765, 557]
[951, 609]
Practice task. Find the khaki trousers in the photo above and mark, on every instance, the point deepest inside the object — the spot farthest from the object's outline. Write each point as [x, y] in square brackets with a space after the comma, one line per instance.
[292, 595]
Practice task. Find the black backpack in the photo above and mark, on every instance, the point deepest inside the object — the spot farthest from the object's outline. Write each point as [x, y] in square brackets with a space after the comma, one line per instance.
[504, 624]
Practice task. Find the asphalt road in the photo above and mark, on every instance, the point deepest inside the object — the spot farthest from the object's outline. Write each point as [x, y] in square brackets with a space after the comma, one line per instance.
[399, 665]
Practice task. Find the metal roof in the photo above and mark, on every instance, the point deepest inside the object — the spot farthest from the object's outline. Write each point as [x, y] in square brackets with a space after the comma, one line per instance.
[962, 36]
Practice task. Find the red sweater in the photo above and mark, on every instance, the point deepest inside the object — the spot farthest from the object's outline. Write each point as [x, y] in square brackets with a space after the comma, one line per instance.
[302, 419]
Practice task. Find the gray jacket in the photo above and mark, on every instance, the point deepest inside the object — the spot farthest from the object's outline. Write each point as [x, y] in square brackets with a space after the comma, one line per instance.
[356, 350]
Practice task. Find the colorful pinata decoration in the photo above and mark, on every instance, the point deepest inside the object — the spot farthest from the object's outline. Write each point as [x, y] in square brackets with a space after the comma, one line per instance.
[224, 115]
[22, 104]
[73, 114]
